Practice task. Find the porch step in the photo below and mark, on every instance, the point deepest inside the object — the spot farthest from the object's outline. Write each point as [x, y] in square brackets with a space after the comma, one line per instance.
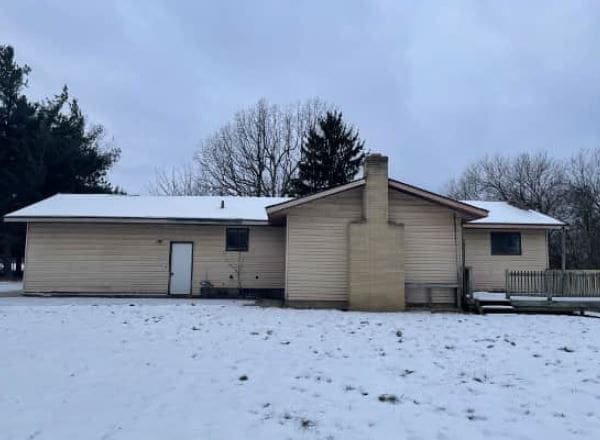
[500, 305]
[494, 302]
[496, 309]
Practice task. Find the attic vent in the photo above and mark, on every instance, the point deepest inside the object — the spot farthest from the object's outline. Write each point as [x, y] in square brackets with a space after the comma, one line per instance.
[222, 204]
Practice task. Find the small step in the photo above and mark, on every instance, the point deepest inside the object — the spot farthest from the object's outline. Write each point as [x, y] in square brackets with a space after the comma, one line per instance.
[485, 308]
[493, 302]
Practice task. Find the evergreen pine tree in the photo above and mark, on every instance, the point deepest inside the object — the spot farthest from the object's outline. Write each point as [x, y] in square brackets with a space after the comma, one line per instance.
[332, 155]
[45, 147]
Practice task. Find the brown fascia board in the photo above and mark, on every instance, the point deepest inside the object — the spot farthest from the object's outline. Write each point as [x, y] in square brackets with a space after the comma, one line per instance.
[470, 210]
[439, 199]
[274, 209]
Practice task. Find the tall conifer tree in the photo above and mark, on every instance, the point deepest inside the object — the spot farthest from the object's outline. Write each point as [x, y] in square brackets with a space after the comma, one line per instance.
[45, 147]
[332, 155]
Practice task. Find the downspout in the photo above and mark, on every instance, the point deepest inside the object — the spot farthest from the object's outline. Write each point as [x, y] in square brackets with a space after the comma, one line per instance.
[459, 276]
[563, 248]
[563, 257]
[25, 259]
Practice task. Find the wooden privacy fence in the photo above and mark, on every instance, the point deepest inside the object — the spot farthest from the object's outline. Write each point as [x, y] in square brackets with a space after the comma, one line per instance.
[549, 283]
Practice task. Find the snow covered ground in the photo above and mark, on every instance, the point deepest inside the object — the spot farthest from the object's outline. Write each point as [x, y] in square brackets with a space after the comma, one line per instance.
[89, 368]
[10, 286]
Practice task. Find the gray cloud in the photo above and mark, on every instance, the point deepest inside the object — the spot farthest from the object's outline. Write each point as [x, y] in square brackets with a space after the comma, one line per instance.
[432, 84]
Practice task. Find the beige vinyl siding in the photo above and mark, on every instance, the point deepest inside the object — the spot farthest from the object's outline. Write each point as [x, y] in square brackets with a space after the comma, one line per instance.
[317, 266]
[430, 244]
[417, 295]
[432, 247]
[317, 259]
[488, 271]
[134, 258]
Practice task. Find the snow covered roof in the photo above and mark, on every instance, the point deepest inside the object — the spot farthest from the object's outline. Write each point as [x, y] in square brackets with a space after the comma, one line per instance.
[503, 213]
[208, 209]
[168, 208]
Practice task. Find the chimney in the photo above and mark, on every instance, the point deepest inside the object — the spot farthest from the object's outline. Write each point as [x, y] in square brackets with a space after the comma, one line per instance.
[376, 247]
[375, 199]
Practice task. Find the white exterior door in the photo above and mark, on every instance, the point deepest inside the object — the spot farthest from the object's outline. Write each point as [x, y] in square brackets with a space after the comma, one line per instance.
[180, 280]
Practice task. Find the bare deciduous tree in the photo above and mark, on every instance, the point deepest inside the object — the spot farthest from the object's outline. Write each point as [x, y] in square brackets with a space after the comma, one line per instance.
[178, 181]
[237, 265]
[257, 153]
[566, 189]
[584, 209]
[533, 180]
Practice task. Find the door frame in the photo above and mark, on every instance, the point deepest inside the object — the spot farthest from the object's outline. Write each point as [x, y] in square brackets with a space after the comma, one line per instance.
[171, 243]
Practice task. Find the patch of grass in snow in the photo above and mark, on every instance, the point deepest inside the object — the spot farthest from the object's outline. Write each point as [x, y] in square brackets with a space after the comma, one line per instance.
[406, 372]
[306, 423]
[474, 417]
[508, 341]
[389, 398]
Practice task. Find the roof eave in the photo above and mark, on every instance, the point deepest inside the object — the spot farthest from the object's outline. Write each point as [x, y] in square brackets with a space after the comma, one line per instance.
[133, 220]
[279, 207]
[465, 208]
[513, 226]
[470, 210]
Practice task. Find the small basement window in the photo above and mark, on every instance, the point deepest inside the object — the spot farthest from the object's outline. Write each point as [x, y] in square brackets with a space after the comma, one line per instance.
[236, 239]
[506, 243]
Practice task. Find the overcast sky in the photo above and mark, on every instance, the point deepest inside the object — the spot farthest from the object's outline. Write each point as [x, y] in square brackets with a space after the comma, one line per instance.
[434, 85]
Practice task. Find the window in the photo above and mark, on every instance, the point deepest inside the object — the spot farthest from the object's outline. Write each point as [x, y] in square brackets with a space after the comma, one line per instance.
[506, 243]
[236, 239]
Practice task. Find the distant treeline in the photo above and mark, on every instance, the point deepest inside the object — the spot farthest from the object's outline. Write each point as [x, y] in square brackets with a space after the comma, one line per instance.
[567, 189]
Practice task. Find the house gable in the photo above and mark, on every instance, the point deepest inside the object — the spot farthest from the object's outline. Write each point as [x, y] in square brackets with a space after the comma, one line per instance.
[277, 211]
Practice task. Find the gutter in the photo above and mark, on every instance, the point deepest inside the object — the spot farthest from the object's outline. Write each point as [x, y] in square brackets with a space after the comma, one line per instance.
[513, 226]
[135, 220]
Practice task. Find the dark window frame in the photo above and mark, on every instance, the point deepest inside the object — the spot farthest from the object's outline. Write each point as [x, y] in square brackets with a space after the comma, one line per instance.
[500, 250]
[229, 247]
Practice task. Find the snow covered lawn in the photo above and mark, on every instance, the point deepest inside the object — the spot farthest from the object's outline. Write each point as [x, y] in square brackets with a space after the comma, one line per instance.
[10, 286]
[163, 369]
